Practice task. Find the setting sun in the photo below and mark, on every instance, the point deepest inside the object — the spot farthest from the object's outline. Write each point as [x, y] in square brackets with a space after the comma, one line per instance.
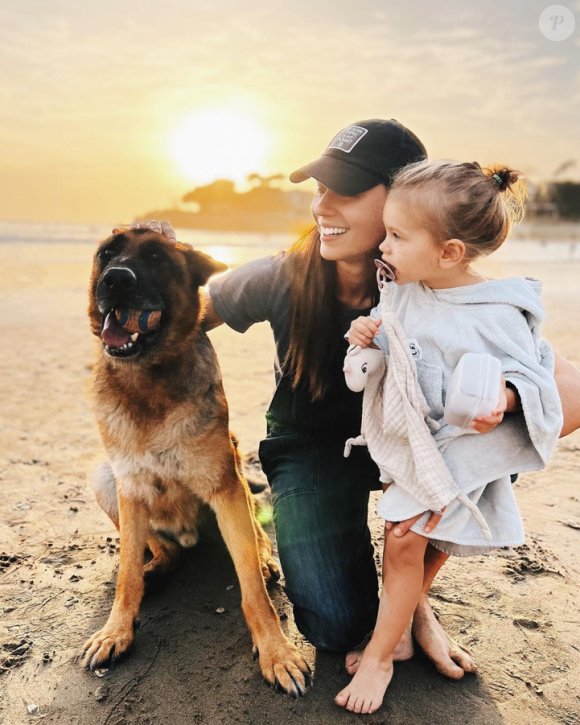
[218, 143]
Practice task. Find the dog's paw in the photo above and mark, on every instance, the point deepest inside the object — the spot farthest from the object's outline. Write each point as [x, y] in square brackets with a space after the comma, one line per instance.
[107, 645]
[160, 566]
[284, 668]
[270, 570]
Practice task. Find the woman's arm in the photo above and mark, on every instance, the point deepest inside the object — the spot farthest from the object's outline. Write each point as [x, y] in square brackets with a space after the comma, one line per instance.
[568, 384]
[211, 318]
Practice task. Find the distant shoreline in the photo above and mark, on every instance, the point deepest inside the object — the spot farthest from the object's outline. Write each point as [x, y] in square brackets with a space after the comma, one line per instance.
[265, 222]
[535, 230]
[251, 234]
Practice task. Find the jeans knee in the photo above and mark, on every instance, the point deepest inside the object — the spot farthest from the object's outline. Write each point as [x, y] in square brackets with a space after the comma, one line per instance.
[334, 634]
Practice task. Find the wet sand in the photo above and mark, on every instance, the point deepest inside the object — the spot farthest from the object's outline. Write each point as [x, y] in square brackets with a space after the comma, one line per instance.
[517, 610]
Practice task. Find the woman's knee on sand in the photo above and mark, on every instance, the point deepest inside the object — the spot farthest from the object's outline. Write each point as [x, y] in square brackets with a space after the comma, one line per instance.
[335, 631]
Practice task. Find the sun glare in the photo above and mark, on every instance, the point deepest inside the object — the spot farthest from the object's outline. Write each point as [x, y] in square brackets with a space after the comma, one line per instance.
[218, 144]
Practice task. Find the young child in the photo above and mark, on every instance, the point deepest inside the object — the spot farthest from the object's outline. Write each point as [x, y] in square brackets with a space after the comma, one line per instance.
[439, 217]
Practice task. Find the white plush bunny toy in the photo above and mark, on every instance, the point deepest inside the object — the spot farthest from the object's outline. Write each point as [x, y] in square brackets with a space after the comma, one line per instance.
[360, 366]
[360, 363]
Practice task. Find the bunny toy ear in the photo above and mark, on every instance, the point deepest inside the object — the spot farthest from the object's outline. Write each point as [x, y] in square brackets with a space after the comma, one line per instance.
[352, 349]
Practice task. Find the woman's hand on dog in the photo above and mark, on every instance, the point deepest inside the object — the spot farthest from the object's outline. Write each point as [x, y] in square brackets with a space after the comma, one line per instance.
[164, 228]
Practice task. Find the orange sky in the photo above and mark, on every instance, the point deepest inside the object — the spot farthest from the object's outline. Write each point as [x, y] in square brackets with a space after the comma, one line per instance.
[94, 100]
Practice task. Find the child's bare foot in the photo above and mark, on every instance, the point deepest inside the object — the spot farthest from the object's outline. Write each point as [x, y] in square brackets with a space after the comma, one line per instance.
[403, 651]
[450, 658]
[365, 693]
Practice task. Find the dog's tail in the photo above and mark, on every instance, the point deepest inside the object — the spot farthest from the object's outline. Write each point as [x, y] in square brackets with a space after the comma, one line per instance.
[243, 464]
[104, 485]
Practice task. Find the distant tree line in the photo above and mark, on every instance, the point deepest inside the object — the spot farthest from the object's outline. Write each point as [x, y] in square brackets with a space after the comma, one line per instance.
[554, 201]
[266, 207]
[566, 196]
[221, 197]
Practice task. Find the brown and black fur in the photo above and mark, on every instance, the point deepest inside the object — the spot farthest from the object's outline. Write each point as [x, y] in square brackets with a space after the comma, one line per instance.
[163, 419]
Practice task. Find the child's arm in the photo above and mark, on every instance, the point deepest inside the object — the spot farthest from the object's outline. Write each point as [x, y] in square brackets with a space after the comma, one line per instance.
[528, 366]
[363, 331]
[509, 402]
[485, 424]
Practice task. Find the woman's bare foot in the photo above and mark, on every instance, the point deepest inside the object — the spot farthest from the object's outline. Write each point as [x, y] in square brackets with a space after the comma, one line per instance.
[450, 658]
[403, 651]
[365, 693]
[354, 657]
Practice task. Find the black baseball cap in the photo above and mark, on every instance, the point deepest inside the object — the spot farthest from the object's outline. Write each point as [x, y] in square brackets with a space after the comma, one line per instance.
[364, 155]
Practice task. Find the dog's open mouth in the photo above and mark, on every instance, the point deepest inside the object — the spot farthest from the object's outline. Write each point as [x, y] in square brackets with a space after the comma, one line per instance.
[122, 342]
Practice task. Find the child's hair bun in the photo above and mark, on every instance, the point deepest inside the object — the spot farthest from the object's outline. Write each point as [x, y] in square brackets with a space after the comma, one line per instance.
[512, 183]
[465, 201]
[504, 177]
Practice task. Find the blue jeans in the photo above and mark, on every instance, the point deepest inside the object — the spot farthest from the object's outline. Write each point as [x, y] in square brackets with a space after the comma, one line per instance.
[320, 502]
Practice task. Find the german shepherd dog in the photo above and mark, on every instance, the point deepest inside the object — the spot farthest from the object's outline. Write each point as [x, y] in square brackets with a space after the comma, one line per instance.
[163, 419]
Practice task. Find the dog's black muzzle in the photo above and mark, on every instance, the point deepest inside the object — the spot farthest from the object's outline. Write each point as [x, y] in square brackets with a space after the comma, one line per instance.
[127, 287]
[122, 285]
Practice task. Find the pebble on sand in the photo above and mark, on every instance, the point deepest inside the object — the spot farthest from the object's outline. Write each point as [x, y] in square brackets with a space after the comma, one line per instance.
[101, 693]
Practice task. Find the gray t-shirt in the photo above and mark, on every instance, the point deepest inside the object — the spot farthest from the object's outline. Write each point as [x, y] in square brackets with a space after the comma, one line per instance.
[261, 291]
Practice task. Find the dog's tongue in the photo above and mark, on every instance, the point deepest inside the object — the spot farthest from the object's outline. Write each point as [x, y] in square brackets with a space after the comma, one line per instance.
[113, 334]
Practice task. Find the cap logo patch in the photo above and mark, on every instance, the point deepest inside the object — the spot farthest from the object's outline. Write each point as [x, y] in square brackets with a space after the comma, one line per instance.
[348, 139]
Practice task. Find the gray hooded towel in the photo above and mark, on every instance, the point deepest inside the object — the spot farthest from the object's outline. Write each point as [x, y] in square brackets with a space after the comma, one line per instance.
[396, 427]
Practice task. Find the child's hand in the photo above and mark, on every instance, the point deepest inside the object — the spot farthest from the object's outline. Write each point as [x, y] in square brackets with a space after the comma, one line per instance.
[363, 331]
[485, 424]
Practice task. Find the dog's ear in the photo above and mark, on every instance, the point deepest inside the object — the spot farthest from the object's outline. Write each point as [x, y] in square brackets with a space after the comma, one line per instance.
[202, 267]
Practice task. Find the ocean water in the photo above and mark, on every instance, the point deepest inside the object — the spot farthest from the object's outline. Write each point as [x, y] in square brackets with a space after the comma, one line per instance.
[232, 248]
[236, 248]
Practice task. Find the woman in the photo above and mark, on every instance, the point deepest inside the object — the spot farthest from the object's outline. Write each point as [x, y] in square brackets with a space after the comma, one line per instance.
[310, 295]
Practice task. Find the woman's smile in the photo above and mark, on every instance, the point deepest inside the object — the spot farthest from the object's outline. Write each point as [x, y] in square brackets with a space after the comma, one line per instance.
[349, 226]
[327, 233]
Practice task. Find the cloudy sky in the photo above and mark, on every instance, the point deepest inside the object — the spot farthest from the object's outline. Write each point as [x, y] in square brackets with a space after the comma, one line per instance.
[109, 109]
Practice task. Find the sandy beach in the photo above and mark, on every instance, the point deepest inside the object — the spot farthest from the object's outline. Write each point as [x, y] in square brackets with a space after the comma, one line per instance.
[516, 610]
